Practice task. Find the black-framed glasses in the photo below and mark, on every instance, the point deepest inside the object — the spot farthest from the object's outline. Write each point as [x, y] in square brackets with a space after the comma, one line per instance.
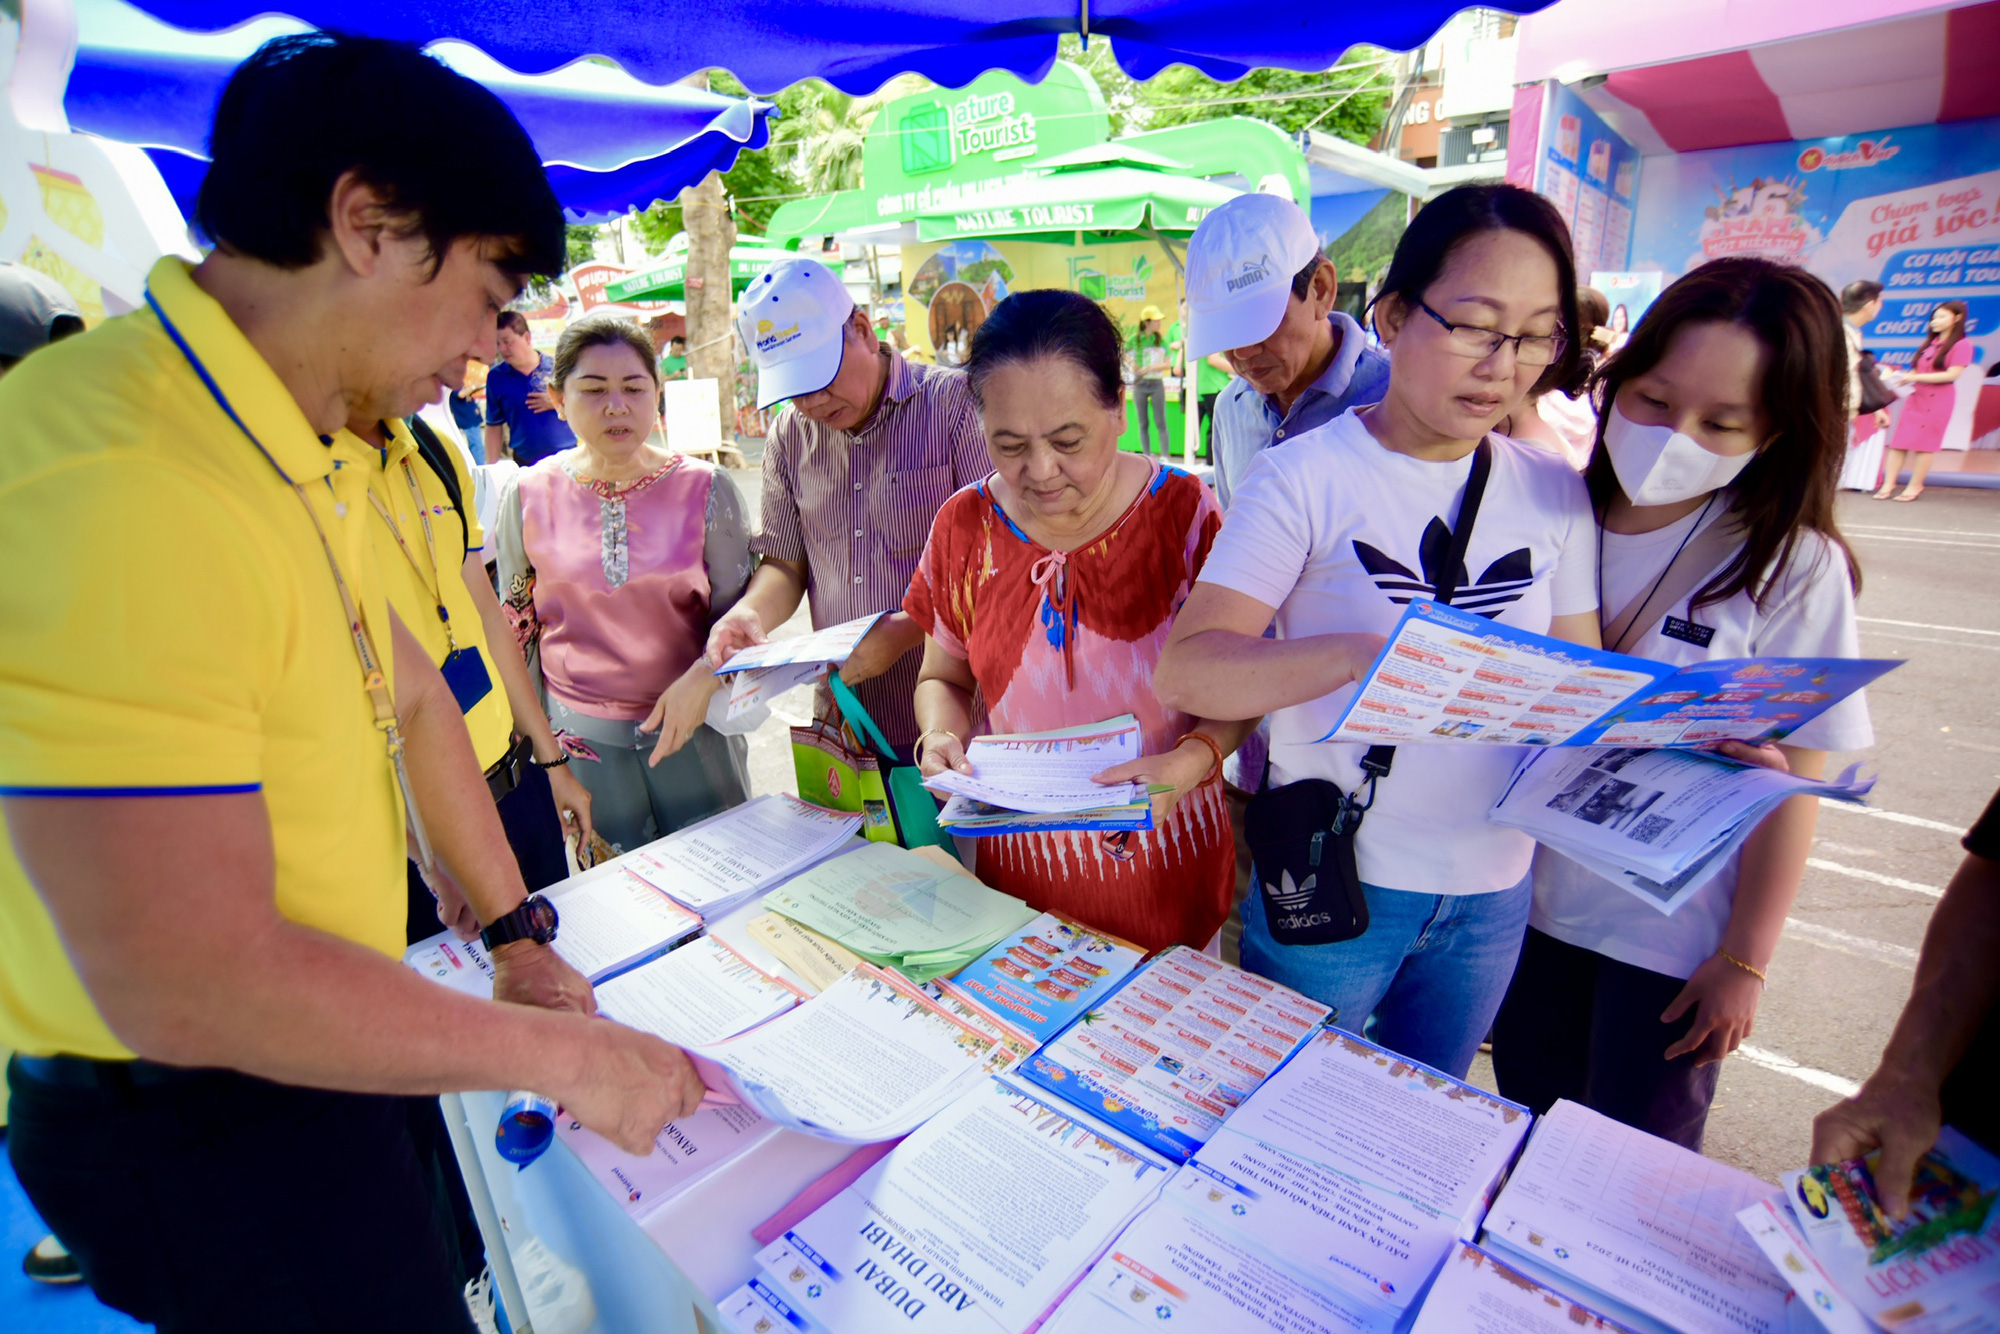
[1469, 340]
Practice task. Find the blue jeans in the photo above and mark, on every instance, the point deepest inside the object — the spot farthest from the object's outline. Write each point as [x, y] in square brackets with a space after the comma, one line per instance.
[1424, 980]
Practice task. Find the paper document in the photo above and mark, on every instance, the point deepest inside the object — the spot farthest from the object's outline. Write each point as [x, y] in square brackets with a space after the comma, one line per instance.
[611, 919]
[461, 965]
[718, 863]
[1048, 772]
[1356, 1164]
[703, 992]
[834, 644]
[756, 1308]
[1170, 1270]
[1450, 675]
[870, 1058]
[684, 1152]
[1601, 1208]
[977, 1221]
[1775, 1231]
[894, 908]
[1168, 1055]
[1936, 1271]
[819, 962]
[1660, 823]
[1047, 973]
[1477, 1294]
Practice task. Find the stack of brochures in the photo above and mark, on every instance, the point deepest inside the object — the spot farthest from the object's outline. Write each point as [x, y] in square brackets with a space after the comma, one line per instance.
[1660, 823]
[901, 910]
[1478, 1293]
[869, 1059]
[1046, 974]
[1167, 1056]
[1450, 675]
[611, 920]
[759, 674]
[979, 1222]
[713, 867]
[1637, 1228]
[1934, 1271]
[1334, 1194]
[1046, 781]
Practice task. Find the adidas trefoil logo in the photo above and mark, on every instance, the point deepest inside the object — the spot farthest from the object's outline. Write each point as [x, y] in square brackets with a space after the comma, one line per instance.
[1504, 581]
[1289, 896]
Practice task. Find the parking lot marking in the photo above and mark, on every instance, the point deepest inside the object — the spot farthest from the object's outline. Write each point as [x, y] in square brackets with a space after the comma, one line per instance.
[1897, 817]
[1826, 937]
[1894, 882]
[1785, 1065]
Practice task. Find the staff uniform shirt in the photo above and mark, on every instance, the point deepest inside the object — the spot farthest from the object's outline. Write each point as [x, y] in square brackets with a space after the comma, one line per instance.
[413, 589]
[1339, 534]
[172, 628]
[1247, 422]
[856, 507]
[1809, 613]
[532, 436]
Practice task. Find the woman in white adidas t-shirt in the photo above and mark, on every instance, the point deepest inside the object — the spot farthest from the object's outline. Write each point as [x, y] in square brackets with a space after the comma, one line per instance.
[1332, 534]
[1727, 400]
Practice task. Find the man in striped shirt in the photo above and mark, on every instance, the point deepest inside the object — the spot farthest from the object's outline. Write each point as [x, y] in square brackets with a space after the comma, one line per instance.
[857, 465]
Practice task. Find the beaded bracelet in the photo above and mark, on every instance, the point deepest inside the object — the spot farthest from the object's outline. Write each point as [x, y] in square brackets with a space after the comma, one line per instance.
[1216, 750]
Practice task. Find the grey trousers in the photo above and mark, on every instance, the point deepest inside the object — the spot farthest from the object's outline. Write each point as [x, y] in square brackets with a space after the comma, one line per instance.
[632, 803]
[1148, 390]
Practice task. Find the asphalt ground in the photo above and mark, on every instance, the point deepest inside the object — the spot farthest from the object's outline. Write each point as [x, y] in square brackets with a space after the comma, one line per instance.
[1931, 596]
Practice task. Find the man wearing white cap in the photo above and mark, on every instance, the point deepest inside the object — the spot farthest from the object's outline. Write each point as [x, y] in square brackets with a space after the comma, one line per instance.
[1261, 293]
[855, 469]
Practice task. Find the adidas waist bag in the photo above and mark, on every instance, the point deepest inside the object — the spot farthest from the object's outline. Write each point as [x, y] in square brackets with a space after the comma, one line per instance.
[1301, 839]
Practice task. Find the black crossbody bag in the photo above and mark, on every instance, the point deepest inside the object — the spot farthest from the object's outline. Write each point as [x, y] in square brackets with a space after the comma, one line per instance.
[1302, 835]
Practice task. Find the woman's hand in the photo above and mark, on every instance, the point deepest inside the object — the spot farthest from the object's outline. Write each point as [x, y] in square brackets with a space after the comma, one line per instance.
[1185, 767]
[1351, 655]
[939, 750]
[572, 804]
[1767, 756]
[679, 710]
[1724, 998]
[735, 630]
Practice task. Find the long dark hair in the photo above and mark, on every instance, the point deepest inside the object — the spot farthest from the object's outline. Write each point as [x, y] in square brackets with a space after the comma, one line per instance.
[1460, 214]
[1788, 487]
[1946, 339]
[1046, 322]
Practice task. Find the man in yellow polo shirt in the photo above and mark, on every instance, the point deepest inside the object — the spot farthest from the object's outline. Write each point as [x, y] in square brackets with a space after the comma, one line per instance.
[427, 543]
[201, 694]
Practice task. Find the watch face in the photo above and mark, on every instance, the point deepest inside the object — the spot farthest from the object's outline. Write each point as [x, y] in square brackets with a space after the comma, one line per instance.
[541, 919]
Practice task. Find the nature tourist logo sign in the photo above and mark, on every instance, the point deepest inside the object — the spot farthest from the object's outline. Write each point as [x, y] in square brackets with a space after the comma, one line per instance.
[936, 135]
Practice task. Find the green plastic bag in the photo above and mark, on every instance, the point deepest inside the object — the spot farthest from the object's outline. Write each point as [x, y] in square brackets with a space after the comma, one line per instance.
[911, 806]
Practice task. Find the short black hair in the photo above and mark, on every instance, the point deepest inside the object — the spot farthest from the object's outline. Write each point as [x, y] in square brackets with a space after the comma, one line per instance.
[1459, 214]
[677, 338]
[1048, 322]
[1858, 294]
[1302, 281]
[306, 109]
[511, 319]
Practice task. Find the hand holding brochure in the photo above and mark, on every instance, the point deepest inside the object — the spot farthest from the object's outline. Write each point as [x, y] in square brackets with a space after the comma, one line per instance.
[1449, 675]
[764, 671]
[1660, 823]
[1045, 780]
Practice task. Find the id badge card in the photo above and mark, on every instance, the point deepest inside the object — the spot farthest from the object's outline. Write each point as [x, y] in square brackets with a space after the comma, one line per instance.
[465, 672]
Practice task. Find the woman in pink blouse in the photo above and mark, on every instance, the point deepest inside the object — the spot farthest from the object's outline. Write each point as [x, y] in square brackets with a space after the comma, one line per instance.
[1941, 359]
[615, 557]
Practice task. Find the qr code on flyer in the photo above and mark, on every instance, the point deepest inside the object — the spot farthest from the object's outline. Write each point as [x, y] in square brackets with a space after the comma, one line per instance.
[1649, 828]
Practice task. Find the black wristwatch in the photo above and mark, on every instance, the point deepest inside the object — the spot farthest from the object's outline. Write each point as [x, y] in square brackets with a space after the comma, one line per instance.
[534, 920]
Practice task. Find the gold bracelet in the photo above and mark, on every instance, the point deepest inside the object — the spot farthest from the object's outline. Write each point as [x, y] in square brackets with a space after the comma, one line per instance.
[1725, 954]
[918, 753]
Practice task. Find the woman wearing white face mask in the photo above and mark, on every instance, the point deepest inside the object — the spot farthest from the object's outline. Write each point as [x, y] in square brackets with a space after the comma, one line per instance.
[1722, 438]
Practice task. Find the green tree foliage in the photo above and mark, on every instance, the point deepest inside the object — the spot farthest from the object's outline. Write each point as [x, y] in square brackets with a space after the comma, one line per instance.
[1349, 100]
[579, 244]
[1364, 249]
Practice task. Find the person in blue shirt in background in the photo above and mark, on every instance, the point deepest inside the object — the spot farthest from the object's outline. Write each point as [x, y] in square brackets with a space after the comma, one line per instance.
[521, 419]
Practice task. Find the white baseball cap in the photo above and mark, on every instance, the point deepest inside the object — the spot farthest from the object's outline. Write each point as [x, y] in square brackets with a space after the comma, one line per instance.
[792, 318]
[1240, 264]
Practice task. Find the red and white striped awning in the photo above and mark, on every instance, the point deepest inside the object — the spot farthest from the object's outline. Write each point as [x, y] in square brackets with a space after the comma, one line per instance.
[1681, 75]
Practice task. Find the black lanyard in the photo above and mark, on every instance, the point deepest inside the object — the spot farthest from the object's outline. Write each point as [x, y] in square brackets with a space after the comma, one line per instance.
[1667, 569]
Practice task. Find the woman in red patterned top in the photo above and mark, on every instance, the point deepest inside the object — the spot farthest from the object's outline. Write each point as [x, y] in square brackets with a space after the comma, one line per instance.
[1048, 590]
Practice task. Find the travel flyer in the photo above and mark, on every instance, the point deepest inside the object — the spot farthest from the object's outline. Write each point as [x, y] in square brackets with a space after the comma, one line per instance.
[1167, 1056]
[1047, 973]
[1449, 675]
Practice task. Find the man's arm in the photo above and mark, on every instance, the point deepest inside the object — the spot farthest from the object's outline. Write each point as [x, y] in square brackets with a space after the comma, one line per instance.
[1955, 991]
[529, 719]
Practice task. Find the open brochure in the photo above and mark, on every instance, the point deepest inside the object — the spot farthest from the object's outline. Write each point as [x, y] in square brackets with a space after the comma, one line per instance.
[1660, 823]
[1449, 675]
[1047, 973]
[1357, 1166]
[713, 866]
[702, 992]
[978, 1221]
[1167, 1056]
[1475, 1293]
[901, 910]
[1047, 773]
[1638, 1228]
[610, 920]
[1935, 1271]
[760, 673]
[870, 1058]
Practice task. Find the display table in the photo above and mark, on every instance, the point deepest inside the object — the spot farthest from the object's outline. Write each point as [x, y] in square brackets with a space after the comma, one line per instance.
[663, 1276]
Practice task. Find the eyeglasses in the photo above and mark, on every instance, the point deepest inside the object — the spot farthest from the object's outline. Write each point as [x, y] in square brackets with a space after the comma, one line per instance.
[1470, 340]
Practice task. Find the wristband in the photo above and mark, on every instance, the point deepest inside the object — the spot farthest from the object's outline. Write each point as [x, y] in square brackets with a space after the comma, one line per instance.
[556, 763]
